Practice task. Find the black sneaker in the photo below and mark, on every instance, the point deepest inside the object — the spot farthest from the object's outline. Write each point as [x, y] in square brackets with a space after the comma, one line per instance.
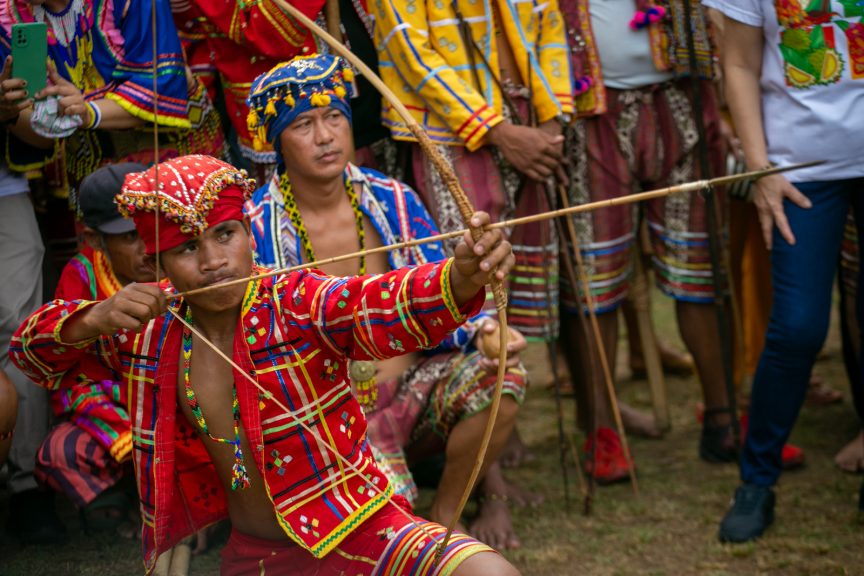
[33, 518]
[752, 511]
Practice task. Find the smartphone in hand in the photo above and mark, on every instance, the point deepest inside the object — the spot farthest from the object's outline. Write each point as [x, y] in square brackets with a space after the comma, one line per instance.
[30, 55]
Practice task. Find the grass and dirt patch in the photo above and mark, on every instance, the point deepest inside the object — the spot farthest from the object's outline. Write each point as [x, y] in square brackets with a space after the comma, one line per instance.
[669, 530]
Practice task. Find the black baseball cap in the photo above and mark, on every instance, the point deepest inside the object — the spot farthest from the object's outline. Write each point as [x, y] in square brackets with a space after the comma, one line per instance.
[96, 198]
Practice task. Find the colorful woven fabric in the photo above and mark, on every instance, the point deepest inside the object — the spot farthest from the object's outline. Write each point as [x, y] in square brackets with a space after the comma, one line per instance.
[90, 395]
[667, 33]
[88, 276]
[72, 462]
[430, 398]
[188, 189]
[295, 334]
[440, 390]
[850, 259]
[495, 187]
[105, 48]
[389, 545]
[423, 58]
[229, 44]
[646, 140]
[394, 210]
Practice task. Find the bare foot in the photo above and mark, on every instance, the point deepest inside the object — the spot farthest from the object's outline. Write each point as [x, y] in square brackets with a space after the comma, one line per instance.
[515, 453]
[638, 423]
[821, 394]
[522, 497]
[493, 525]
[851, 457]
[443, 517]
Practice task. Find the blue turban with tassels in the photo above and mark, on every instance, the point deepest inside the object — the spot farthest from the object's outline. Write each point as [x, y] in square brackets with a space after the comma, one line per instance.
[277, 97]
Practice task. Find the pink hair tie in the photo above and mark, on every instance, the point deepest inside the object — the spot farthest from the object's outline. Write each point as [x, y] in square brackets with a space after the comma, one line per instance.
[646, 17]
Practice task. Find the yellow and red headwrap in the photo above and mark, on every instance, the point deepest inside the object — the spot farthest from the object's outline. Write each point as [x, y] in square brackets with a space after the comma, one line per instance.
[195, 192]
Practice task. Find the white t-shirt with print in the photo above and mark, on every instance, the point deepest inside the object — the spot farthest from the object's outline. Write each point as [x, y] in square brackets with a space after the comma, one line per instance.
[812, 82]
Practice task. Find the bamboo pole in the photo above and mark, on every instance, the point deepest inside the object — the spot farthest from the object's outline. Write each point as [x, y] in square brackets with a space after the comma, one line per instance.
[601, 350]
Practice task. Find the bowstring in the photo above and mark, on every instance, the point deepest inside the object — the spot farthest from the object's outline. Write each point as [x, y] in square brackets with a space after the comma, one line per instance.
[155, 68]
[269, 396]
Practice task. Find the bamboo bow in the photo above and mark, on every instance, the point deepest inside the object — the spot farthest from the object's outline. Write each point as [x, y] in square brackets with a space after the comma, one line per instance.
[465, 209]
[448, 176]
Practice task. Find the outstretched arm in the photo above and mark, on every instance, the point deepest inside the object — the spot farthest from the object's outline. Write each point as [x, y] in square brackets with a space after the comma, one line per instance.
[409, 309]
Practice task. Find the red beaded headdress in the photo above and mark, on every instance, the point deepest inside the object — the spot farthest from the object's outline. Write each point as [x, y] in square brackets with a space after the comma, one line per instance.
[195, 192]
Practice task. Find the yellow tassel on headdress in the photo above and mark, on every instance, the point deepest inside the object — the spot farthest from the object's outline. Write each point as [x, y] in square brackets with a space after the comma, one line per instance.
[289, 100]
[320, 100]
[252, 120]
[348, 74]
[340, 91]
[270, 109]
[257, 144]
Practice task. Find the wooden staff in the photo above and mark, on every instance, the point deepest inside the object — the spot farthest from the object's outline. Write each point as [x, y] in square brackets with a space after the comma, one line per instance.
[718, 276]
[659, 193]
[598, 339]
[333, 18]
[586, 488]
[639, 297]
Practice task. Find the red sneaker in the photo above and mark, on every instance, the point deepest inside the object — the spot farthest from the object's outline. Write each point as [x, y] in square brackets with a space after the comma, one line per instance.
[611, 465]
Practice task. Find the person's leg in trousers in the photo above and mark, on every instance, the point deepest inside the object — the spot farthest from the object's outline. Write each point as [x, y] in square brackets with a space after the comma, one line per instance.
[32, 514]
[802, 278]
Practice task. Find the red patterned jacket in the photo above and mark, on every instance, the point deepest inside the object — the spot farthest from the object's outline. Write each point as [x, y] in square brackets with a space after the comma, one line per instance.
[91, 394]
[294, 335]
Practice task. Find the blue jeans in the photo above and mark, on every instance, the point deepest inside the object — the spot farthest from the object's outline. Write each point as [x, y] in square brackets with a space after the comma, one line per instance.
[803, 279]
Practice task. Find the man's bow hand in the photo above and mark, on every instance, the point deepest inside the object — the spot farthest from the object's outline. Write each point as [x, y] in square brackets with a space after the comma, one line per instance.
[475, 264]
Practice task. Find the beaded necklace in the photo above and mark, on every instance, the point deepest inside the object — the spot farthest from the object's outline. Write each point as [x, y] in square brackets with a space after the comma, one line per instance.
[361, 372]
[294, 215]
[239, 476]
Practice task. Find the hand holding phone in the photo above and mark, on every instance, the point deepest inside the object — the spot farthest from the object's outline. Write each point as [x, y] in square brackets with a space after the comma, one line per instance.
[13, 94]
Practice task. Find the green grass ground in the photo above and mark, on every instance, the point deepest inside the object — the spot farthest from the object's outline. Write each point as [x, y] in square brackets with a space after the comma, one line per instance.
[669, 530]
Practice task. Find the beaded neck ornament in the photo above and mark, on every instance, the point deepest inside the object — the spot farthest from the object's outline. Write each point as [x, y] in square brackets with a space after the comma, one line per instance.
[303, 235]
[239, 476]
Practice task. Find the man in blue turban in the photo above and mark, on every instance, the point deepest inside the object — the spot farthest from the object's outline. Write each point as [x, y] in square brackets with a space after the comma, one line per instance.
[320, 205]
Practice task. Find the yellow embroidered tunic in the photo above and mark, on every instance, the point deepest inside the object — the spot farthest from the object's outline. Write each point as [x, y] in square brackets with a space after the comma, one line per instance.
[424, 58]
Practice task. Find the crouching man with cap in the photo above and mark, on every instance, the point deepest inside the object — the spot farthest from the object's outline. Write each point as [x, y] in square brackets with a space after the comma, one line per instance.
[88, 452]
[277, 442]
